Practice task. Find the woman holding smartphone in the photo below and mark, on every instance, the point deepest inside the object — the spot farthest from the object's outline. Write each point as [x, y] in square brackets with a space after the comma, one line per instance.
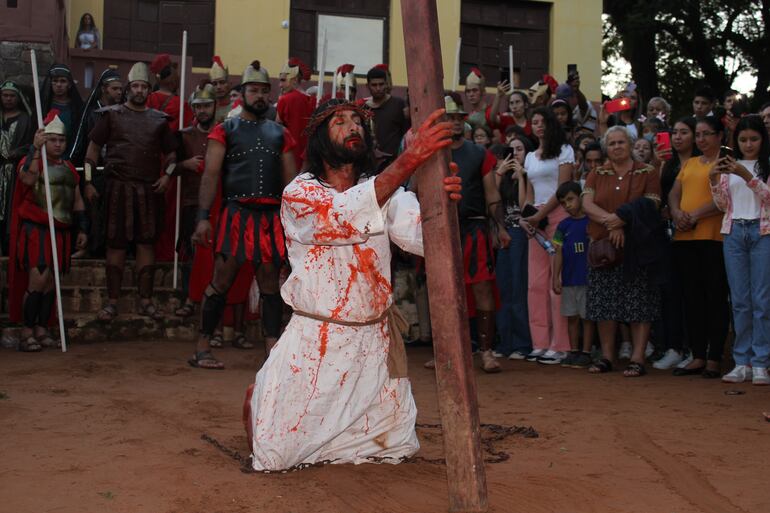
[698, 253]
[739, 186]
[548, 167]
[511, 262]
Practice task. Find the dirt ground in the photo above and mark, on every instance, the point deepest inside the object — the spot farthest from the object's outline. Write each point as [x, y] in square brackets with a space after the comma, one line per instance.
[116, 427]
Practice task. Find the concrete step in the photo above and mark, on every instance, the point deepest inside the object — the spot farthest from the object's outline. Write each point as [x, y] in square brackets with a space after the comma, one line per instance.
[87, 329]
[92, 273]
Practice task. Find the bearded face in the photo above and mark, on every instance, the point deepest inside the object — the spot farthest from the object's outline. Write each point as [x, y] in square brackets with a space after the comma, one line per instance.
[346, 133]
[256, 99]
[137, 93]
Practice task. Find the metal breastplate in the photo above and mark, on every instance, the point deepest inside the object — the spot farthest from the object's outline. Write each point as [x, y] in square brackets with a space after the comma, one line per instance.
[469, 159]
[252, 167]
[62, 182]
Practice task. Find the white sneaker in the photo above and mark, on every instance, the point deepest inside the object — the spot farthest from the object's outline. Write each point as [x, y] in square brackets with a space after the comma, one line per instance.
[552, 357]
[626, 349]
[517, 355]
[760, 376]
[739, 374]
[535, 354]
[669, 360]
[649, 349]
[497, 355]
[684, 363]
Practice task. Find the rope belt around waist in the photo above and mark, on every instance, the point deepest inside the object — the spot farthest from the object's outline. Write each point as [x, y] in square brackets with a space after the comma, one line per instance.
[397, 364]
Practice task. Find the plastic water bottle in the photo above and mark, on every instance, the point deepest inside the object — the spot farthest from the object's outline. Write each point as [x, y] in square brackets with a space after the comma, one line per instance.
[545, 243]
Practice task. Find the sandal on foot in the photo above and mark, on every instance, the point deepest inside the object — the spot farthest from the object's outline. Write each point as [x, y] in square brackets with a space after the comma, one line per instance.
[634, 370]
[46, 340]
[430, 364]
[30, 345]
[205, 360]
[151, 311]
[184, 311]
[107, 313]
[216, 340]
[240, 342]
[600, 366]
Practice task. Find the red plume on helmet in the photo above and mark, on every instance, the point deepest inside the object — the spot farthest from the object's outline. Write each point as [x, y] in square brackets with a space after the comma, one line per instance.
[345, 69]
[477, 72]
[160, 62]
[304, 69]
[51, 115]
[256, 64]
[551, 82]
[383, 67]
[217, 59]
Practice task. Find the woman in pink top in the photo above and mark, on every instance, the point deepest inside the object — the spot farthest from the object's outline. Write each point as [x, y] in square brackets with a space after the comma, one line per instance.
[739, 187]
[547, 168]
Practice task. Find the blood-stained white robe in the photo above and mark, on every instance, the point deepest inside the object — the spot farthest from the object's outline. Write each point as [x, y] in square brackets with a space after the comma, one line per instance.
[325, 393]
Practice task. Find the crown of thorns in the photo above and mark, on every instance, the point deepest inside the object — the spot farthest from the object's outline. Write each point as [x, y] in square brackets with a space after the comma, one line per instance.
[331, 107]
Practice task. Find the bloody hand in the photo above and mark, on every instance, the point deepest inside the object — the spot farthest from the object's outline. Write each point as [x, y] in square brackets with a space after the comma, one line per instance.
[430, 137]
[453, 184]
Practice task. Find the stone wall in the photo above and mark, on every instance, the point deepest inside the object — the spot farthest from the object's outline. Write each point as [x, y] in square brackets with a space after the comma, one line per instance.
[15, 62]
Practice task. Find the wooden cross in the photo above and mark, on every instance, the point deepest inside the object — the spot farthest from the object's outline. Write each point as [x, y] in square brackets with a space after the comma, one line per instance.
[466, 478]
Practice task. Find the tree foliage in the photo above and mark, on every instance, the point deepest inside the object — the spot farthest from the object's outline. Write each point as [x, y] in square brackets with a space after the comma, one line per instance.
[674, 46]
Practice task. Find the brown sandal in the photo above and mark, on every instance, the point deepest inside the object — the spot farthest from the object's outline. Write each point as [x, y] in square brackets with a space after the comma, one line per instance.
[184, 311]
[107, 313]
[240, 342]
[151, 311]
[205, 360]
[30, 345]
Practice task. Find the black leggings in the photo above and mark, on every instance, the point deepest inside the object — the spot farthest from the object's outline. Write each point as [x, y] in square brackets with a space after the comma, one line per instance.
[701, 267]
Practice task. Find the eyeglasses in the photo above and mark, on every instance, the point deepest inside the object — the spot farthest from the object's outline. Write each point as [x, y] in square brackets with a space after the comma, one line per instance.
[701, 135]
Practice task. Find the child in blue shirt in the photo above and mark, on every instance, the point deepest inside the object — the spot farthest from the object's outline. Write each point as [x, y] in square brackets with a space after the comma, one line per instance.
[570, 273]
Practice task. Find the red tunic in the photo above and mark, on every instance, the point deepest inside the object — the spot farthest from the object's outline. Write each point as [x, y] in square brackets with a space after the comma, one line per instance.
[168, 104]
[294, 109]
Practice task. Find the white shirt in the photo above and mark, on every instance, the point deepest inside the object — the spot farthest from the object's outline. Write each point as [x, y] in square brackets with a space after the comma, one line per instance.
[746, 204]
[544, 174]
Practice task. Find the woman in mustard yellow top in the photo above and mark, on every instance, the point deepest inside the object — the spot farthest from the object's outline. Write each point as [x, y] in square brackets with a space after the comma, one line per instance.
[698, 256]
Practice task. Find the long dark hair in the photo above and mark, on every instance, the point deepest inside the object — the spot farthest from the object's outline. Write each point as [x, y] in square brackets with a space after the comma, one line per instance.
[509, 189]
[554, 137]
[672, 167]
[320, 150]
[82, 27]
[754, 122]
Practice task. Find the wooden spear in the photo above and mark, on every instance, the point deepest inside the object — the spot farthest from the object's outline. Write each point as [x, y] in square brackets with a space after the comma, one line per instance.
[457, 400]
[49, 207]
[179, 177]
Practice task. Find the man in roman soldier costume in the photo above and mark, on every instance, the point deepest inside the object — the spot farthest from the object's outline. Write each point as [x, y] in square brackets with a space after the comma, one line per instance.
[166, 100]
[475, 88]
[294, 105]
[335, 386]
[166, 97]
[219, 77]
[136, 138]
[252, 156]
[345, 82]
[190, 155]
[31, 263]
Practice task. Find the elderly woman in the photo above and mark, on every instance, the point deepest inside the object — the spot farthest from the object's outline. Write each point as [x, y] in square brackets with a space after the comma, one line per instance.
[621, 199]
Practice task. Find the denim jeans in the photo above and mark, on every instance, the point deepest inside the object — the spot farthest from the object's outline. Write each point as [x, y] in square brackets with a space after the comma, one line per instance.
[511, 276]
[747, 260]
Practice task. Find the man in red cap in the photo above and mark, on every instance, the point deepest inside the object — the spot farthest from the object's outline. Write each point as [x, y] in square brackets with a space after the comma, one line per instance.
[294, 105]
[166, 100]
[251, 157]
[137, 140]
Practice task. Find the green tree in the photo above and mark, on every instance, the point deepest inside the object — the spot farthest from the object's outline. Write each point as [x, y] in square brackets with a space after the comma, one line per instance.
[672, 46]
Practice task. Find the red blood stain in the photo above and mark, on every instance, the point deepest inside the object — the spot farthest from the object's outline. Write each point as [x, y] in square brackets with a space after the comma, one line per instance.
[294, 369]
[344, 378]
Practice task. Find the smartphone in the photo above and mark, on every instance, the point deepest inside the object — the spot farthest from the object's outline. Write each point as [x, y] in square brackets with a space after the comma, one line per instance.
[617, 105]
[505, 75]
[725, 151]
[571, 70]
[663, 142]
[507, 152]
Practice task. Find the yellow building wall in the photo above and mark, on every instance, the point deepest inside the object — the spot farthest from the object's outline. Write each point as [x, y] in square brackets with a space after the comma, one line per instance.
[77, 8]
[252, 29]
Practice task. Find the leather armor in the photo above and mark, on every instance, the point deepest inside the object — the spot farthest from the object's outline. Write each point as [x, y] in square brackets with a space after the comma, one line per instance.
[469, 159]
[252, 166]
[63, 183]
